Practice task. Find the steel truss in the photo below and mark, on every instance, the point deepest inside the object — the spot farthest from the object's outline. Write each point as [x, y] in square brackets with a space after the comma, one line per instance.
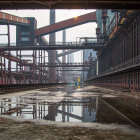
[21, 73]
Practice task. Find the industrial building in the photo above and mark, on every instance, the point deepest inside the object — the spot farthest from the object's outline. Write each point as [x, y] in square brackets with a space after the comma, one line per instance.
[110, 26]
[102, 88]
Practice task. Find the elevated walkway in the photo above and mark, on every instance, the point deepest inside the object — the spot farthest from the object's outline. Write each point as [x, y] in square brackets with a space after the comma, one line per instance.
[66, 65]
[13, 20]
[53, 46]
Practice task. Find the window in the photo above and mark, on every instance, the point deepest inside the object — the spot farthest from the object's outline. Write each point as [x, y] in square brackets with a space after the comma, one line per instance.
[25, 39]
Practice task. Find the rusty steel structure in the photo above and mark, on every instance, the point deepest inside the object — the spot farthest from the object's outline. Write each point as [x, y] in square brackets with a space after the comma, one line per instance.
[117, 47]
[22, 73]
[35, 70]
[119, 63]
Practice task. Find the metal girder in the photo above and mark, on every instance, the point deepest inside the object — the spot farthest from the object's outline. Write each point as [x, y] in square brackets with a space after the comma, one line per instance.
[73, 70]
[91, 17]
[94, 46]
[62, 65]
[67, 65]
[69, 4]
[14, 58]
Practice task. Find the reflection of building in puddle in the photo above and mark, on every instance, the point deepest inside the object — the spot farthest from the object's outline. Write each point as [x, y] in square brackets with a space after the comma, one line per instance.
[68, 110]
[8, 106]
[89, 112]
[132, 101]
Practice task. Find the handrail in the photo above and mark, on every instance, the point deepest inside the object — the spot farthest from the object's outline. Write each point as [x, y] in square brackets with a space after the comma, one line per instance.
[127, 64]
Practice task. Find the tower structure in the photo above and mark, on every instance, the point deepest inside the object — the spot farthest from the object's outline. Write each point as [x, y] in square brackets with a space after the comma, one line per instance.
[52, 53]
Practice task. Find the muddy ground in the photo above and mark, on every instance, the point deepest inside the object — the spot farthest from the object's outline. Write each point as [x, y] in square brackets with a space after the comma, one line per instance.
[16, 130]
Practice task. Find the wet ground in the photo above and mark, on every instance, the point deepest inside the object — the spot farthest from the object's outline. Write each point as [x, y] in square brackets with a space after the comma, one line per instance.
[108, 114]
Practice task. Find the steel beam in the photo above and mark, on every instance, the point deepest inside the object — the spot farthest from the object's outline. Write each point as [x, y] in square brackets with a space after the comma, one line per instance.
[94, 46]
[66, 65]
[91, 17]
[71, 4]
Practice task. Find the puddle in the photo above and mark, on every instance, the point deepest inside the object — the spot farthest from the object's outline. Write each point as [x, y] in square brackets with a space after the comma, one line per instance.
[61, 104]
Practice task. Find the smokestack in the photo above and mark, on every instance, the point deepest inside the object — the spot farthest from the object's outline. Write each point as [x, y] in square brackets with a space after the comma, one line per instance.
[52, 53]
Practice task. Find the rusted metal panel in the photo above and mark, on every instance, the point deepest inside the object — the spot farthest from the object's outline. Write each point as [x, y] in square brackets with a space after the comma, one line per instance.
[91, 17]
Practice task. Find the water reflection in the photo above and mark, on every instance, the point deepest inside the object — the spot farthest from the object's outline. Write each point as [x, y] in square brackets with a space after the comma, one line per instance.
[132, 101]
[56, 104]
[68, 110]
[83, 110]
[59, 104]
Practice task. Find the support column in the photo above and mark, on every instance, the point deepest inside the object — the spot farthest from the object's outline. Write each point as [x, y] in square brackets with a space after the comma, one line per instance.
[33, 67]
[64, 57]
[97, 53]
[9, 68]
[9, 63]
[5, 70]
[20, 67]
[8, 28]
[104, 17]
[41, 67]
[17, 67]
[52, 53]
[1, 67]
[44, 74]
